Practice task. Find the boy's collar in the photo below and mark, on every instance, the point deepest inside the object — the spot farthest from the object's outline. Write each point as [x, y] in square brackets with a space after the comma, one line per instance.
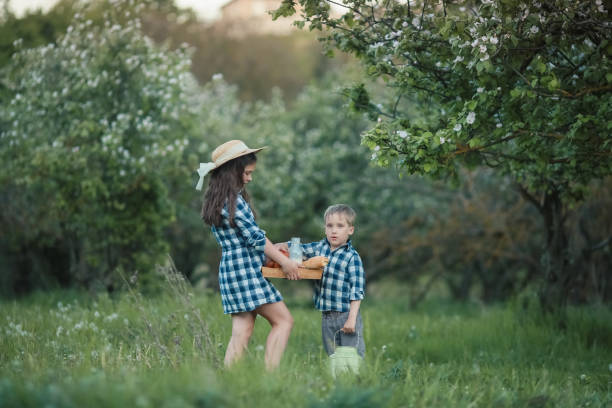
[346, 244]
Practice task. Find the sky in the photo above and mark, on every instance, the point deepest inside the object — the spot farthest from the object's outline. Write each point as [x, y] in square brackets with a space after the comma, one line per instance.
[206, 9]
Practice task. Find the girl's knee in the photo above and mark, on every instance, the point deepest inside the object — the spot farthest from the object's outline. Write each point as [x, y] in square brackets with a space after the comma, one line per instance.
[242, 337]
[287, 321]
[243, 332]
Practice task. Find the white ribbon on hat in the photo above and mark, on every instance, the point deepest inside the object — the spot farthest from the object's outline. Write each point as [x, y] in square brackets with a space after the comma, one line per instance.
[204, 169]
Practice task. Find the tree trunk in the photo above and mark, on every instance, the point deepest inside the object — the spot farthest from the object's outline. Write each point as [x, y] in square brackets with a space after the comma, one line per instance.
[557, 272]
[557, 282]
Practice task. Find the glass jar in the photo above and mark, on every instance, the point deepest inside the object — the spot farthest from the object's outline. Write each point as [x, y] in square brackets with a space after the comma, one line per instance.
[295, 250]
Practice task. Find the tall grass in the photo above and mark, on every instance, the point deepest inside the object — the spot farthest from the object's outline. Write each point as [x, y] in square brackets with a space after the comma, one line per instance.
[69, 349]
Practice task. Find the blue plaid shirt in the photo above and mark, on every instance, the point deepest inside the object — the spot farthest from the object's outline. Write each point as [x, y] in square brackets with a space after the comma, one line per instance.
[343, 278]
[243, 288]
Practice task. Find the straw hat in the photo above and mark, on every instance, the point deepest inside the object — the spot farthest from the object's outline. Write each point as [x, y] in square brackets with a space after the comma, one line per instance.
[221, 155]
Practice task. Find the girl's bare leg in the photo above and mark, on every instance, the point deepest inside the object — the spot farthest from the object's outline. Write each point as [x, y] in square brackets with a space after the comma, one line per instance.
[242, 328]
[281, 321]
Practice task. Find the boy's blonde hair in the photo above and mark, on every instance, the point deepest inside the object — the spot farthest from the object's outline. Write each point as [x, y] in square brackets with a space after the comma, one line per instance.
[343, 209]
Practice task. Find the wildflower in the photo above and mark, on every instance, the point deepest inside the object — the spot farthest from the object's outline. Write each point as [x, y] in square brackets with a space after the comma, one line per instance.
[402, 133]
[111, 317]
[534, 29]
[457, 127]
[442, 140]
[479, 89]
[471, 117]
[498, 125]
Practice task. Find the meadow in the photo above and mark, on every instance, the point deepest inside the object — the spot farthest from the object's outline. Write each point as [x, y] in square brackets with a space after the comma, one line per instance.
[74, 349]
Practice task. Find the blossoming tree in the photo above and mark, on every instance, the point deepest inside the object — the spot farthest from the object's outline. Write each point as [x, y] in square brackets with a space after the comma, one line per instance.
[88, 127]
[524, 87]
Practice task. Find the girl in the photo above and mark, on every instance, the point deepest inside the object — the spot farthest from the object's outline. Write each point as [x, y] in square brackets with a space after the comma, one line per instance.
[245, 293]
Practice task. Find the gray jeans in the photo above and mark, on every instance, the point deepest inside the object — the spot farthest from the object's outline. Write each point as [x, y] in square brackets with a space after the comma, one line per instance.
[334, 321]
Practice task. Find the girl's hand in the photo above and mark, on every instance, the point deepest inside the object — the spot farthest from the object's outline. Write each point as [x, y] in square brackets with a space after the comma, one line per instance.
[349, 326]
[282, 246]
[290, 267]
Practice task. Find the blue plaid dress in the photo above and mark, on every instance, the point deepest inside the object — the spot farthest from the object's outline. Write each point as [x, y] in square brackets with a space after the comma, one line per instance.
[343, 278]
[243, 287]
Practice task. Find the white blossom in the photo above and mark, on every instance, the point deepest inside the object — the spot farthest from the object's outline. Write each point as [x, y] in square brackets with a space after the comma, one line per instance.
[471, 117]
[457, 127]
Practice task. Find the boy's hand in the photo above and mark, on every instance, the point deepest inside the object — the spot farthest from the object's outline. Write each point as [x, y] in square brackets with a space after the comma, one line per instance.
[349, 325]
[290, 267]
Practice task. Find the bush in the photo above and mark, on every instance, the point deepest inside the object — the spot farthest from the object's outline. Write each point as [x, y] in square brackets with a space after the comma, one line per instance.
[86, 133]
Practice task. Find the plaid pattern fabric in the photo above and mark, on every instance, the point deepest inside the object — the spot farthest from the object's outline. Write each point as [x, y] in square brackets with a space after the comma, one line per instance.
[243, 287]
[343, 278]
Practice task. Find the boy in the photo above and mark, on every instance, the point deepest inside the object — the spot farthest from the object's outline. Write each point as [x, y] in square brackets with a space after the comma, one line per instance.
[339, 293]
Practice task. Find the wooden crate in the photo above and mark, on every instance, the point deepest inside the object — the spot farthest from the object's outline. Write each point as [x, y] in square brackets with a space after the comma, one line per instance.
[305, 273]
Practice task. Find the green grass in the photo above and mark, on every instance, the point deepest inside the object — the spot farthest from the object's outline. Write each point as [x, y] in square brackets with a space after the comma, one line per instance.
[69, 349]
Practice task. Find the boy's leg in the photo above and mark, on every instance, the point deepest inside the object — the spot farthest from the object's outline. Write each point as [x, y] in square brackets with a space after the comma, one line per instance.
[331, 322]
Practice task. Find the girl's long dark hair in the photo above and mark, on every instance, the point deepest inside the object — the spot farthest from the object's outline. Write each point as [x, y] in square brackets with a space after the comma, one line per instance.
[224, 185]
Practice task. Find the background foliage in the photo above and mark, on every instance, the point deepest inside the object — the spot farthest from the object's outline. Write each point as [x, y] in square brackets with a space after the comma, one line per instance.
[522, 87]
[89, 135]
[103, 126]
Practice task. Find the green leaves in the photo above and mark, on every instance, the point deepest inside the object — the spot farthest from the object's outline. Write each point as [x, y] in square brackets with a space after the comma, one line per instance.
[98, 119]
[286, 9]
[510, 78]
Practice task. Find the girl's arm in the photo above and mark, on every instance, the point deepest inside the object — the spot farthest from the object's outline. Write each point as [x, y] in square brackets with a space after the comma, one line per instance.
[288, 265]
